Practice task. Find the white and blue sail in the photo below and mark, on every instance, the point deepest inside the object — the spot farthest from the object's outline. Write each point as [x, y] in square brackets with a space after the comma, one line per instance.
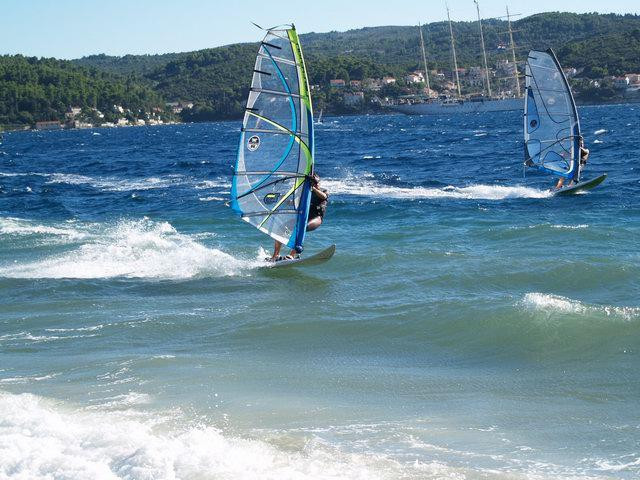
[271, 187]
[551, 124]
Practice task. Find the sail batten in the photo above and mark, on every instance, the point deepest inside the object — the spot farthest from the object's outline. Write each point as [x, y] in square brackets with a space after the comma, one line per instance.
[551, 124]
[271, 188]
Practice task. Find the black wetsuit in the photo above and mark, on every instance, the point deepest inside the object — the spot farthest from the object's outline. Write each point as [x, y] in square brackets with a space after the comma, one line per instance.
[318, 206]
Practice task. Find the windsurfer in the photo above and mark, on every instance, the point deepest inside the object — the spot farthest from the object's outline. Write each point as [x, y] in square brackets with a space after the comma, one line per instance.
[319, 200]
[584, 156]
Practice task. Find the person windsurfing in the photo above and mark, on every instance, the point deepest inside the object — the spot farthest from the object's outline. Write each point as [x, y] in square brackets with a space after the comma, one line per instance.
[584, 156]
[317, 210]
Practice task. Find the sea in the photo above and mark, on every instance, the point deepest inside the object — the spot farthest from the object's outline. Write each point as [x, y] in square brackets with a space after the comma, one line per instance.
[470, 325]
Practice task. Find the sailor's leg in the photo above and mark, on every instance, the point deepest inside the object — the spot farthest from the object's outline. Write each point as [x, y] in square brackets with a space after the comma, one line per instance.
[314, 223]
[276, 250]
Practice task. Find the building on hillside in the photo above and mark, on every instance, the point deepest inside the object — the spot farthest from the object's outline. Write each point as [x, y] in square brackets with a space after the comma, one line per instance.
[337, 83]
[355, 83]
[352, 99]
[122, 122]
[388, 80]
[49, 125]
[621, 83]
[414, 77]
[570, 72]
[634, 78]
[73, 112]
[177, 107]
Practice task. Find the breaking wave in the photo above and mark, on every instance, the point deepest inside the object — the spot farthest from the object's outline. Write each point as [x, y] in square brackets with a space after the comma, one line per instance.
[134, 249]
[559, 304]
[471, 192]
[41, 439]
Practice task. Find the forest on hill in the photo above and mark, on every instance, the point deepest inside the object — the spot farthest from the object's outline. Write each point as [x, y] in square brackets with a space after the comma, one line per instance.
[33, 90]
[216, 80]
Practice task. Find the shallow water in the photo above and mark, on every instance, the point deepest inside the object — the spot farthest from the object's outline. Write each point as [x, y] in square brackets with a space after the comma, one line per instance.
[470, 326]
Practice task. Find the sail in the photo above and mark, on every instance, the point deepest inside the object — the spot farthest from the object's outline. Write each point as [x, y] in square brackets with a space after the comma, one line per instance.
[551, 125]
[270, 188]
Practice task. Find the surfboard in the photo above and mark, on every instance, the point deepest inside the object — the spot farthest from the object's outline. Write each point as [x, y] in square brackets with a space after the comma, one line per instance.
[582, 186]
[315, 259]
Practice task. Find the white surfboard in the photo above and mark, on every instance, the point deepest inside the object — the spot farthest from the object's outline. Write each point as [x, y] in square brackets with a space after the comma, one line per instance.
[315, 259]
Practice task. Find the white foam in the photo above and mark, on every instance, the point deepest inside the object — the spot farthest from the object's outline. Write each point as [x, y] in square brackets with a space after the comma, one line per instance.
[118, 185]
[206, 184]
[473, 192]
[40, 440]
[18, 226]
[136, 249]
[600, 131]
[598, 141]
[211, 199]
[559, 304]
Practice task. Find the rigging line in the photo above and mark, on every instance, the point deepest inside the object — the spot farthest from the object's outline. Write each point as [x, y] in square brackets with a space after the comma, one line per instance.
[279, 212]
[284, 129]
[287, 195]
[268, 184]
[274, 92]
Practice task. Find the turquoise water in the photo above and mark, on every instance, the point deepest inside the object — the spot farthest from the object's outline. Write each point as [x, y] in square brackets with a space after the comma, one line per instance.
[470, 326]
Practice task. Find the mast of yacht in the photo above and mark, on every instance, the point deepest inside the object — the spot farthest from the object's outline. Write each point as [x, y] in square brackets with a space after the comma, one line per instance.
[453, 49]
[513, 54]
[424, 59]
[484, 52]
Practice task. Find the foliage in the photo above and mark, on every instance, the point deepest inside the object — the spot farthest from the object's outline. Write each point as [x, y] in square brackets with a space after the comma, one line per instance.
[217, 79]
[34, 89]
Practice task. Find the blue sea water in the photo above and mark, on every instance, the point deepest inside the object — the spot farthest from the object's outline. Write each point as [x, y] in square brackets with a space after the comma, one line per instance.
[470, 326]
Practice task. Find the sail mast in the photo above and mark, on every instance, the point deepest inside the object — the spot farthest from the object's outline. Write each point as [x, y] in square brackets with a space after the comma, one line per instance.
[453, 49]
[484, 52]
[513, 53]
[424, 60]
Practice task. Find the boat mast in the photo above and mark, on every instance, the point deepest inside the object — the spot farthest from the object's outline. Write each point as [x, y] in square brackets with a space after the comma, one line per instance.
[513, 54]
[484, 52]
[424, 59]
[453, 49]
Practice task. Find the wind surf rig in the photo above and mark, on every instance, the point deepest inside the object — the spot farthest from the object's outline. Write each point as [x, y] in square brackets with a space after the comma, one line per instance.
[551, 124]
[271, 188]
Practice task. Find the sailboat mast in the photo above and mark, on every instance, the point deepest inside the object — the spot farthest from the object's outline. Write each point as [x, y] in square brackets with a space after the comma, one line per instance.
[484, 52]
[513, 53]
[424, 59]
[453, 49]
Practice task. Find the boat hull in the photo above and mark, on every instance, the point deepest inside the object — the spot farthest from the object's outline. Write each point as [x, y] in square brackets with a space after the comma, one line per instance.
[464, 106]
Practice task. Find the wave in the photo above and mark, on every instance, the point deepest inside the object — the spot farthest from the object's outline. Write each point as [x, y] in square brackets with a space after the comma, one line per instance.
[134, 249]
[112, 184]
[472, 192]
[41, 439]
[20, 227]
[600, 131]
[558, 304]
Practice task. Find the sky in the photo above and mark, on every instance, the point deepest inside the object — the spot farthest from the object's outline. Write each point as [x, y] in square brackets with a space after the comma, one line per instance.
[75, 28]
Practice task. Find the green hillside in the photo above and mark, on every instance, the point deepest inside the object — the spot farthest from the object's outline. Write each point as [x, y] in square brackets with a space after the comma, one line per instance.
[217, 79]
[34, 89]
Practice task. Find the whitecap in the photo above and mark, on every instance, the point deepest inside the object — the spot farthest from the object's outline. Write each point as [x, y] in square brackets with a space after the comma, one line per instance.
[366, 188]
[560, 304]
[134, 249]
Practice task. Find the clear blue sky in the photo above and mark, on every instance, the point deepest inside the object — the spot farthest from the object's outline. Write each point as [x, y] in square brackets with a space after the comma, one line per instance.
[74, 28]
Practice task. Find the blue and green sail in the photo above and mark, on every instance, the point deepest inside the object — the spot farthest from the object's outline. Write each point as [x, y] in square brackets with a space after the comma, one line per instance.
[271, 188]
[551, 124]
